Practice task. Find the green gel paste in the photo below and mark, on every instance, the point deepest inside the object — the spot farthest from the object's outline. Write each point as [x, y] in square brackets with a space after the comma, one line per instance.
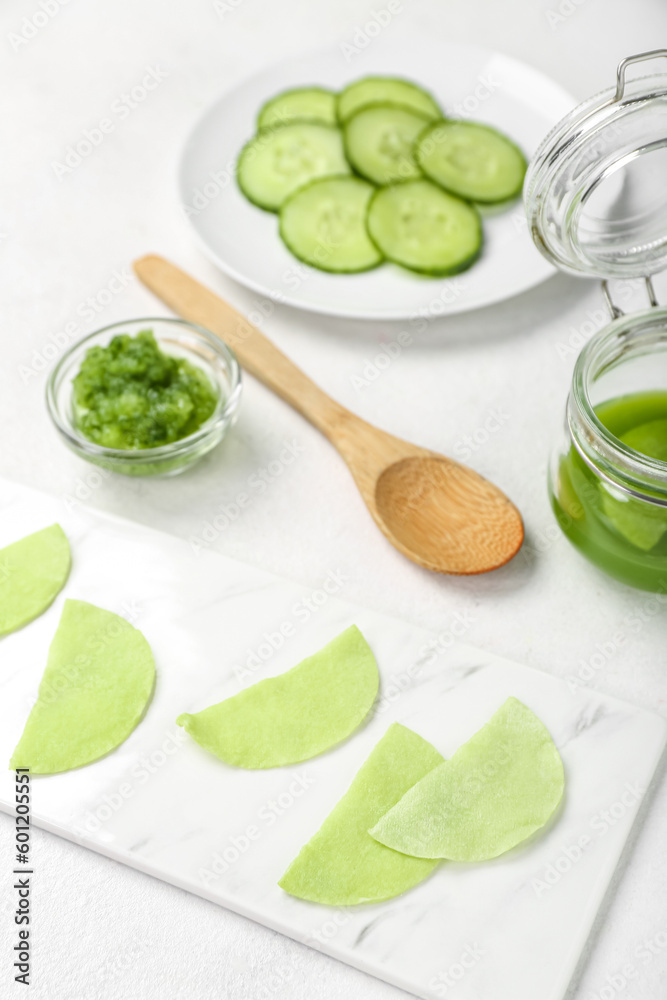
[131, 395]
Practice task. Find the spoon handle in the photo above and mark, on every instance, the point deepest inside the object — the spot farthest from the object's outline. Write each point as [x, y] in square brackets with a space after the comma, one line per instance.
[197, 304]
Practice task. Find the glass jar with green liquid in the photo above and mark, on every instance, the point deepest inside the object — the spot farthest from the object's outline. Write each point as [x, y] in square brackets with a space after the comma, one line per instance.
[596, 200]
[608, 479]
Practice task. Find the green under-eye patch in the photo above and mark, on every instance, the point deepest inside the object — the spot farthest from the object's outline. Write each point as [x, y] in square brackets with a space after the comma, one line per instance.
[99, 676]
[498, 789]
[292, 717]
[342, 864]
[32, 573]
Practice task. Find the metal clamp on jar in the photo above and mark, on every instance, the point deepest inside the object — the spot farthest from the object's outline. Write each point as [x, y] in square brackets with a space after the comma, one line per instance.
[596, 201]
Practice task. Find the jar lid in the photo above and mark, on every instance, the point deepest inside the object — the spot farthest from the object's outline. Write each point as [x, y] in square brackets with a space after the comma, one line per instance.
[596, 190]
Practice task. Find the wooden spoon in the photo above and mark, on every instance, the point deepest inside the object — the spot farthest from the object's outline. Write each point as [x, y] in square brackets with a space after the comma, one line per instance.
[434, 510]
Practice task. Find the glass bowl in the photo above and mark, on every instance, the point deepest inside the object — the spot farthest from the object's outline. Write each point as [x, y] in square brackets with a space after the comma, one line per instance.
[178, 339]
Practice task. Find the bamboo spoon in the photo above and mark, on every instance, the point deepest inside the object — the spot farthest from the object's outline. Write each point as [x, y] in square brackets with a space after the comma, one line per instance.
[434, 510]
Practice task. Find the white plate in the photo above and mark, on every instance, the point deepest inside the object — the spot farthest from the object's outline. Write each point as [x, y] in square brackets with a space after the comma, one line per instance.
[468, 81]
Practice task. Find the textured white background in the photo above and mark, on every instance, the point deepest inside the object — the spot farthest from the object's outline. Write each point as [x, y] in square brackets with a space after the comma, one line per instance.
[101, 930]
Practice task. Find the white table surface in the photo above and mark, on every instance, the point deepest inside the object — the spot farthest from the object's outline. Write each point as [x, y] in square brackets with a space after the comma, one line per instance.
[102, 930]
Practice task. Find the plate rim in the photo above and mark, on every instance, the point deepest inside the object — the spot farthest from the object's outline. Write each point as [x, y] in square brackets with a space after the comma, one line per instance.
[402, 313]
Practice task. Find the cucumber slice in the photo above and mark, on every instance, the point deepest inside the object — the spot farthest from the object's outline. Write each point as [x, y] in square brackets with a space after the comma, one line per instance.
[641, 523]
[277, 161]
[379, 140]
[301, 103]
[385, 89]
[471, 160]
[323, 224]
[418, 225]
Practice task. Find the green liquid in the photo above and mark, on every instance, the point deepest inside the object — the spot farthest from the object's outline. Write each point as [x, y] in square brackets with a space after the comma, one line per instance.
[131, 395]
[625, 537]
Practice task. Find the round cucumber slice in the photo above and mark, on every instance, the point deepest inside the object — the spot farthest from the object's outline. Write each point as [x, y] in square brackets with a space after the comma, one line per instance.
[385, 89]
[471, 160]
[639, 522]
[301, 103]
[379, 141]
[418, 225]
[648, 439]
[277, 161]
[323, 224]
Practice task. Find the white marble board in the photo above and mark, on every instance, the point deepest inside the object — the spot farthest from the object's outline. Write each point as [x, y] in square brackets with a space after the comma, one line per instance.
[512, 929]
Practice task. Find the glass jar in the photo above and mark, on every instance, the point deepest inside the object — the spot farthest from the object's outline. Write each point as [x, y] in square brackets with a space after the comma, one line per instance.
[596, 202]
[610, 499]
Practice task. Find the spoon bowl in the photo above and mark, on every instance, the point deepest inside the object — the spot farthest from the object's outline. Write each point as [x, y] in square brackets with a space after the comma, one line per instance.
[446, 517]
[437, 512]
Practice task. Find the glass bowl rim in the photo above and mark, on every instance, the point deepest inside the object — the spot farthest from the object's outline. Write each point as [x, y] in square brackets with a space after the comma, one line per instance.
[223, 411]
